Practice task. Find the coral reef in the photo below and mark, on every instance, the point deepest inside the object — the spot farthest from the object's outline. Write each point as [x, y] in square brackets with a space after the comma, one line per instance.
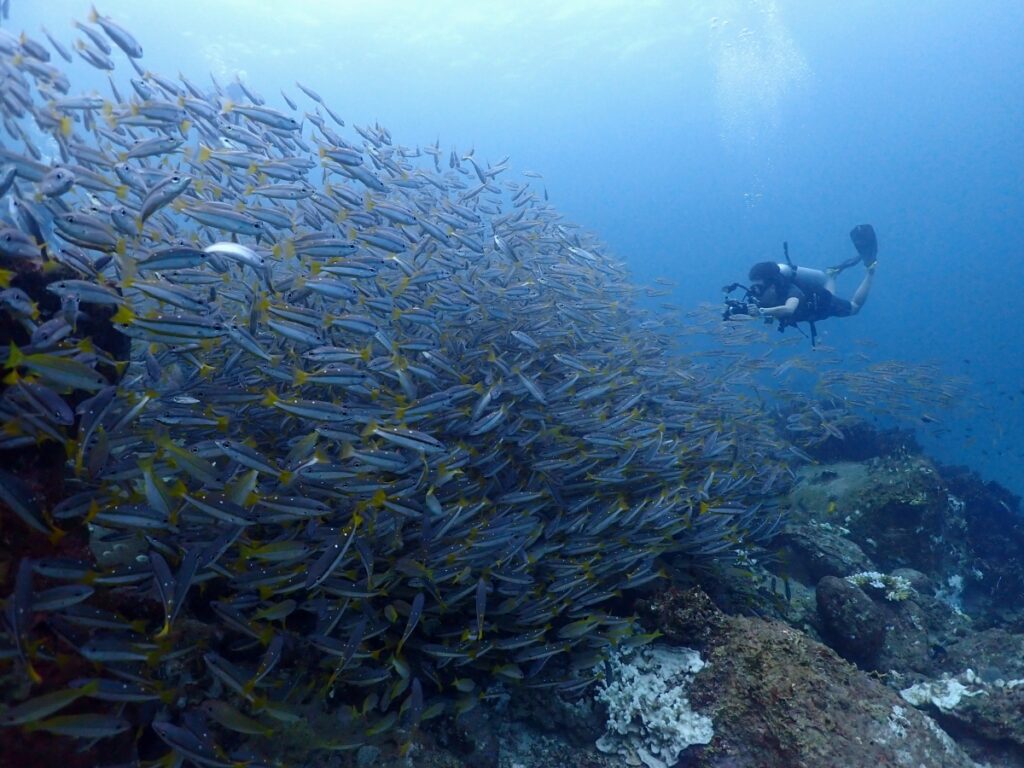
[649, 717]
[780, 699]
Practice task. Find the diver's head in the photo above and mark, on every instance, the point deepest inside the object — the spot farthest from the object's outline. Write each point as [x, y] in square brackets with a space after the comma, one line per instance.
[766, 278]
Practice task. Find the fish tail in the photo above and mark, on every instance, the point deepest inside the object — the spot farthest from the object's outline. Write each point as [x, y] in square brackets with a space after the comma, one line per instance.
[14, 357]
[123, 316]
[56, 534]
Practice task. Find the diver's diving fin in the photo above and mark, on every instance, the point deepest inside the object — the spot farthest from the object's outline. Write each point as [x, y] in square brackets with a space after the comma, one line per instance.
[864, 240]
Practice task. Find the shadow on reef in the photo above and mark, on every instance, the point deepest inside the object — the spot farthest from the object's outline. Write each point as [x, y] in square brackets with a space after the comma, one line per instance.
[36, 474]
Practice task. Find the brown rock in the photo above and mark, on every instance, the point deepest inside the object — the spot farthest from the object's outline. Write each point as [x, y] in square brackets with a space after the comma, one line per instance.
[853, 624]
[781, 700]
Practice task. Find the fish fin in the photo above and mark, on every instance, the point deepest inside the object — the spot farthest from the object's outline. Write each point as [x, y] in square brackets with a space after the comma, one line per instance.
[123, 316]
[14, 356]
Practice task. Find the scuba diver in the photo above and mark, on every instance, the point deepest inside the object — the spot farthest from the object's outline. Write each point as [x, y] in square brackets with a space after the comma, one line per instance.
[791, 294]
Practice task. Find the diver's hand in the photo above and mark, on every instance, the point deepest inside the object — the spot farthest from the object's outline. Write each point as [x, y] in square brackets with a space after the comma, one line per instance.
[753, 310]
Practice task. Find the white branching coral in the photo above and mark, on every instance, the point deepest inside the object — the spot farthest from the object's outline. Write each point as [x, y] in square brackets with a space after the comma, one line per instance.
[895, 588]
[946, 693]
[649, 714]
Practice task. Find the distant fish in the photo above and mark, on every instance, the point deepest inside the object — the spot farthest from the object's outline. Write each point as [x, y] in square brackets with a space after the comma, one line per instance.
[121, 37]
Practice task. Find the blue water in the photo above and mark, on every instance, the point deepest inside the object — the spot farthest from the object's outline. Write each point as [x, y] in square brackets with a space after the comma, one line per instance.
[695, 141]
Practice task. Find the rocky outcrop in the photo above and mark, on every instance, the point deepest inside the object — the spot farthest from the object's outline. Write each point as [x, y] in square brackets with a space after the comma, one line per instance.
[853, 624]
[779, 699]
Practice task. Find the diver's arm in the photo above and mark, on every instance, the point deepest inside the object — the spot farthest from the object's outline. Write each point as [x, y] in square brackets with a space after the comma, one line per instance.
[783, 310]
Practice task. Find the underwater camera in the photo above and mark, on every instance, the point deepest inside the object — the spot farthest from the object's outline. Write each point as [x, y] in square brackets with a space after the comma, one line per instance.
[734, 307]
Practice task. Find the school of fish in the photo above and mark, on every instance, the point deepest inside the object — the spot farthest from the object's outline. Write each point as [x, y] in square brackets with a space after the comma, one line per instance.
[391, 430]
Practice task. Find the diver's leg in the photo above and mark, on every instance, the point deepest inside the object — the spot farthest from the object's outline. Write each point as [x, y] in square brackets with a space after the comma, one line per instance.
[861, 294]
[838, 268]
[864, 240]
